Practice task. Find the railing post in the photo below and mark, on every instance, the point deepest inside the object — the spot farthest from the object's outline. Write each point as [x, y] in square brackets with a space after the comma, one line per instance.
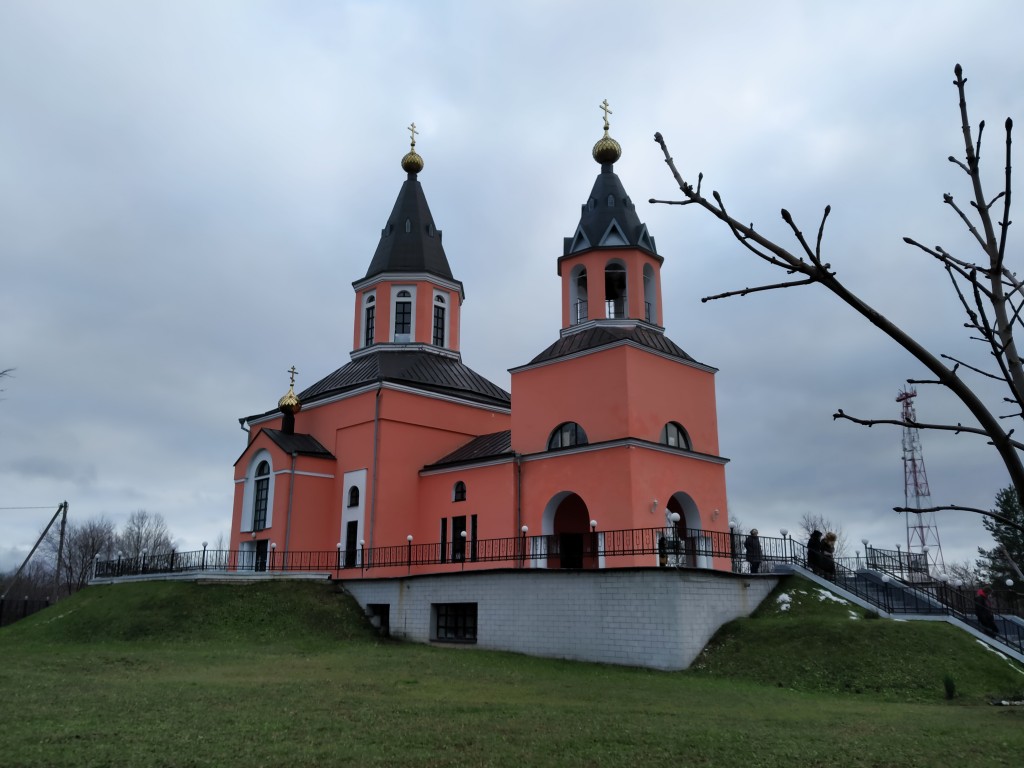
[273, 551]
[337, 566]
[362, 555]
[203, 567]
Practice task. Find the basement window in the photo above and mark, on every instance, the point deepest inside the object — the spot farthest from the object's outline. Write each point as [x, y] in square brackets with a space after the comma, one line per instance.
[454, 622]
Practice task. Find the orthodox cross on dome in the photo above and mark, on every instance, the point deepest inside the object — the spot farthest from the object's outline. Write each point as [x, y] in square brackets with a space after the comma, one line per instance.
[607, 111]
[292, 373]
[412, 134]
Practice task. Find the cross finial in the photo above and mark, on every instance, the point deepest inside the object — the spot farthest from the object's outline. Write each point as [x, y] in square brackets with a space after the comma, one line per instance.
[292, 371]
[412, 134]
[607, 111]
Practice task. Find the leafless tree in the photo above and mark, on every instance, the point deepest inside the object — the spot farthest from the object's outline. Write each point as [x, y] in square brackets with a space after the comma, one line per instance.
[988, 291]
[4, 373]
[144, 531]
[82, 542]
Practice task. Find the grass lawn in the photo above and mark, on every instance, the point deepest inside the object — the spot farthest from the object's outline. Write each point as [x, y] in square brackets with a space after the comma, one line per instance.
[288, 674]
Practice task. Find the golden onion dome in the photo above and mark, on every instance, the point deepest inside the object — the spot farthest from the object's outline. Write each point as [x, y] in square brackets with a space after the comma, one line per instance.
[607, 149]
[289, 403]
[412, 163]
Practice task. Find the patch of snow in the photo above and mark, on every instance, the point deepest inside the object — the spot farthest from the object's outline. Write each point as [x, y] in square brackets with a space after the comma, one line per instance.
[824, 594]
[854, 616]
[784, 601]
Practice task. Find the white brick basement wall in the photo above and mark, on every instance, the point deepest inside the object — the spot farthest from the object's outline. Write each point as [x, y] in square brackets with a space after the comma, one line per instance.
[646, 617]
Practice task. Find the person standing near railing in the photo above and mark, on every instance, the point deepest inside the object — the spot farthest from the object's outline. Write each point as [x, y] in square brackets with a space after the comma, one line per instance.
[814, 551]
[753, 547]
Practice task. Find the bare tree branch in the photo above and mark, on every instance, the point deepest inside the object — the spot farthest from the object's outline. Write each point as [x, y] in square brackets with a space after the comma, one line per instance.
[958, 508]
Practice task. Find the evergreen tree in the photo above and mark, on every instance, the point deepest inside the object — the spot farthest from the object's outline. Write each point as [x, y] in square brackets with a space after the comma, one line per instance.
[994, 565]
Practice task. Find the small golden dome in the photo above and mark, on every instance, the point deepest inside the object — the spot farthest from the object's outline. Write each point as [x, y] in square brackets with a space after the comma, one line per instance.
[412, 163]
[290, 402]
[607, 149]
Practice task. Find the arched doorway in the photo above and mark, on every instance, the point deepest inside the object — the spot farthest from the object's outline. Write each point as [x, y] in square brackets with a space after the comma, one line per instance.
[692, 547]
[571, 542]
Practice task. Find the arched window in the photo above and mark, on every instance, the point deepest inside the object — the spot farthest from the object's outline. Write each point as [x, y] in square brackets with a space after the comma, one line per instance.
[615, 290]
[567, 434]
[674, 435]
[440, 321]
[403, 317]
[353, 496]
[369, 319]
[459, 491]
[261, 496]
[408, 225]
[611, 201]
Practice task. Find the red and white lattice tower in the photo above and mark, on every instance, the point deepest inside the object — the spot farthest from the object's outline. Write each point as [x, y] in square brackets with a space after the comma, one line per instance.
[922, 530]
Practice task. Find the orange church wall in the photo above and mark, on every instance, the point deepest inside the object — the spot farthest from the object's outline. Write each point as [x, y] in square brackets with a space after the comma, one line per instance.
[614, 393]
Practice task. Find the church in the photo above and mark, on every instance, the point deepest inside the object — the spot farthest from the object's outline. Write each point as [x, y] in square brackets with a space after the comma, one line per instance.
[406, 461]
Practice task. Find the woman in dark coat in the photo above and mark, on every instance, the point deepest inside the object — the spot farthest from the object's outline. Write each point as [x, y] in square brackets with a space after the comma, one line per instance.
[753, 547]
[814, 551]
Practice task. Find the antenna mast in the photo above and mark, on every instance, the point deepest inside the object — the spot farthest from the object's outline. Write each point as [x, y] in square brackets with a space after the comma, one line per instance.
[922, 530]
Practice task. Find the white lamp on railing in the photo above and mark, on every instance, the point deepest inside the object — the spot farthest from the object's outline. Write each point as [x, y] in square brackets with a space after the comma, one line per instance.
[273, 550]
[525, 529]
[1009, 582]
[203, 567]
[785, 541]
[593, 525]
[409, 538]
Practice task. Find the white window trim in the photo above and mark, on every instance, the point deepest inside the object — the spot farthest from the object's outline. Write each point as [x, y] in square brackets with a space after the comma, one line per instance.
[395, 289]
[249, 493]
[369, 298]
[447, 317]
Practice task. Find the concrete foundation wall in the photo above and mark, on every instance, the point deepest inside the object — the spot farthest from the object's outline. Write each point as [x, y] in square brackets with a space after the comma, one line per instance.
[648, 617]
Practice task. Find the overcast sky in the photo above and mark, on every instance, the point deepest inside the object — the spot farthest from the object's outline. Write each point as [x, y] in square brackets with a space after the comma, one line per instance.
[189, 188]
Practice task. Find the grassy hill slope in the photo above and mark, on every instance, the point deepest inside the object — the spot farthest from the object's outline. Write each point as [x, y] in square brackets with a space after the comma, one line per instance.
[804, 638]
[290, 674]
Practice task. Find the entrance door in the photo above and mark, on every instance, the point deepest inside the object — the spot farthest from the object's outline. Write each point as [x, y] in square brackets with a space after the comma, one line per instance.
[351, 532]
[571, 546]
[261, 555]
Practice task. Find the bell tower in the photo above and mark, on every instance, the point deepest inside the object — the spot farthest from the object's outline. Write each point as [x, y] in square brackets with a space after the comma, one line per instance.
[408, 298]
[610, 269]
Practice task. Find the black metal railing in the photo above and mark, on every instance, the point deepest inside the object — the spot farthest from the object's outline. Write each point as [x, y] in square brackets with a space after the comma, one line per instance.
[12, 610]
[578, 313]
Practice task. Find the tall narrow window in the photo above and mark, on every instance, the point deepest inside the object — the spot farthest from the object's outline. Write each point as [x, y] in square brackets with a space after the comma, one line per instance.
[459, 491]
[439, 312]
[369, 321]
[261, 496]
[353, 496]
[403, 317]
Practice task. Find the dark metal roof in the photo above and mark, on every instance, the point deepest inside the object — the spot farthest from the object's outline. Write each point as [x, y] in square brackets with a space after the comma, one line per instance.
[609, 226]
[494, 445]
[304, 445]
[603, 336]
[419, 369]
[409, 241]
